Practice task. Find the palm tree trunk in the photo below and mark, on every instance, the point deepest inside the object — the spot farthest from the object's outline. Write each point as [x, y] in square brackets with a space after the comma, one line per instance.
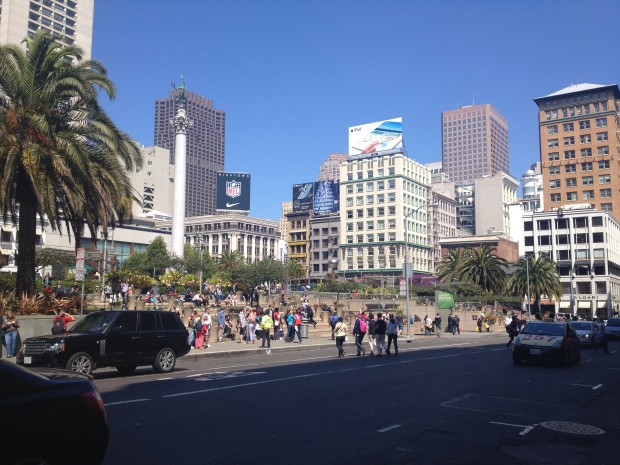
[27, 230]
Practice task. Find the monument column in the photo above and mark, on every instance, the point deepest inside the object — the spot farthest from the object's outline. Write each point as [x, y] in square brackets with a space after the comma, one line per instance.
[181, 124]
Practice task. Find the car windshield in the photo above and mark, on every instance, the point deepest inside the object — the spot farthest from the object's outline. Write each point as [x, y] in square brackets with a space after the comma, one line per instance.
[582, 325]
[548, 329]
[93, 323]
[613, 322]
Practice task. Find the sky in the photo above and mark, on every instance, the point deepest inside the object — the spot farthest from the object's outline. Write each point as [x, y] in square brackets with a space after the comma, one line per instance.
[293, 76]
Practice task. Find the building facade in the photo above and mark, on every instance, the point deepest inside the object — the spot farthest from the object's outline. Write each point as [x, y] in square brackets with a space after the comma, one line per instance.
[154, 184]
[70, 21]
[254, 238]
[298, 239]
[205, 147]
[474, 143]
[492, 196]
[585, 244]
[384, 215]
[330, 168]
[532, 183]
[287, 207]
[324, 241]
[579, 132]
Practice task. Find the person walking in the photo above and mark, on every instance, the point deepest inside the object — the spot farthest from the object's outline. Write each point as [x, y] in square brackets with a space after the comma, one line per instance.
[276, 324]
[266, 323]
[221, 322]
[512, 328]
[297, 323]
[393, 330]
[380, 330]
[601, 335]
[340, 331]
[310, 315]
[10, 327]
[242, 324]
[479, 324]
[290, 324]
[199, 331]
[207, 322]
[456, 326]
[437, 325]
[371, 333]
[333, 319]
[252, 326]
[428, 326]
[191, 322]
[359, 331]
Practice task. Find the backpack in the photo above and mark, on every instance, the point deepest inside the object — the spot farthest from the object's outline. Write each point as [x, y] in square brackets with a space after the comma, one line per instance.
[363, 325]
[334, 319]
[58, 325]
[198, 326]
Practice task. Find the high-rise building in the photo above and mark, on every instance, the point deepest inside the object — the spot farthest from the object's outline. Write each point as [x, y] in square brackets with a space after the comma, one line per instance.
[205, 147]
[71, 21]
[474, 143]
[330, 168]
[153, 184]
[579, 147]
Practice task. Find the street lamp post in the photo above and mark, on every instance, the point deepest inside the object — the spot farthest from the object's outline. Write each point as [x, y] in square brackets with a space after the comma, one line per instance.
[198, 241]
[406, 268]
[529, 296]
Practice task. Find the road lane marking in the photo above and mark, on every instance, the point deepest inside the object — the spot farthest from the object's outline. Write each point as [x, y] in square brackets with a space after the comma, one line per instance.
[126, 402]
[388, 428]
[526, 429]
[588, 385]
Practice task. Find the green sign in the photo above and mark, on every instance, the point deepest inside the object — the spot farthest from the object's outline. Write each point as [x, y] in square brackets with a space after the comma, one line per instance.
[444, 299]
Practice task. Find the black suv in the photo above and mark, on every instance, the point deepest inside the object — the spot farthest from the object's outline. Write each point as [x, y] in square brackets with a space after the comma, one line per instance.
[124, 339]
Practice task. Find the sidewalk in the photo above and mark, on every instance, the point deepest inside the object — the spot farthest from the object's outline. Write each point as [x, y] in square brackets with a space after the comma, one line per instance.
[230, 348]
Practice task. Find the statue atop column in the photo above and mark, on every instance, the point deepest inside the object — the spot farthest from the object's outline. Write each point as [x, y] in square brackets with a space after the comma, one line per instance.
[180, 92]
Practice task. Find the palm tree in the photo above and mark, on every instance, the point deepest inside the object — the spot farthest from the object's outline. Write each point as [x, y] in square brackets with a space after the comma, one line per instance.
[450, 267]
[543, 278]
[483, 267]
[60, 154]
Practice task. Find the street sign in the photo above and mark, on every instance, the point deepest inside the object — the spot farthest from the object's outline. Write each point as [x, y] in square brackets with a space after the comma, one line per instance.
[79, 275]
[80, 253]
[403, 288]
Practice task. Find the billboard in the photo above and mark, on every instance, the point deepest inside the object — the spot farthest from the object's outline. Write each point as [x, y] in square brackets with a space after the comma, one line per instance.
[444, 299]
[376, 137]
[303, 196]
[233, 191]
[326, 197]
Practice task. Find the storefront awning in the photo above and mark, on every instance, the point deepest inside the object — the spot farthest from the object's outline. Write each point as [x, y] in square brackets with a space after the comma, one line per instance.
[584, 304]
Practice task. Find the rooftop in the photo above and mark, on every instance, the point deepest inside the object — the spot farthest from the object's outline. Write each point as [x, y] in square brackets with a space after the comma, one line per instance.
[574, 88]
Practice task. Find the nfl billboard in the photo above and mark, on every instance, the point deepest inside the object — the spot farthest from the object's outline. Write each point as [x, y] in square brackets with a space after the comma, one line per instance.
[326, 197]
[233, 191]
[376, 137]
[303, 197]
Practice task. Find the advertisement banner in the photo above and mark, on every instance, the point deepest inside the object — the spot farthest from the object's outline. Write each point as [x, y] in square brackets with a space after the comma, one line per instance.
[444, 299]
[303, 196]
[326, 197]
[233, 191]
[376, 137]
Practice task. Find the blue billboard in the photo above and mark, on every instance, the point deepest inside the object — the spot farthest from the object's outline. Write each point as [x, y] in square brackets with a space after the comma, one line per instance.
[326, 197]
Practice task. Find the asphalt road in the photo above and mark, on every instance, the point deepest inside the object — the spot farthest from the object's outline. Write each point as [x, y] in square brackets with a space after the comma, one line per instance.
[441, 401]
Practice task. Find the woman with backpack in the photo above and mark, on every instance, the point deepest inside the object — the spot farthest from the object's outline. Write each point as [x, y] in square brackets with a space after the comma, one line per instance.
[340, 331]
[200, 329]
[359, 331]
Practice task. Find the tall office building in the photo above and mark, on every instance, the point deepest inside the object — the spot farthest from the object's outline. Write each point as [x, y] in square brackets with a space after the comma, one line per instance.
[205, 147]
[474, 143]
[579, 147]
[330, 168]
[71, 21]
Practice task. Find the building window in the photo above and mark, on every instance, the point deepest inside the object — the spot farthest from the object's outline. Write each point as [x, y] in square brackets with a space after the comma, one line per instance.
[604, 179]
[349, 202]
[556, 197]
[587, 195]
[572, 168]
[584, 125]
[606, 207]
[603, 165]
[391, 197]
[569, 154]
[605, 193]
[571, 196]
[555, 184]
[585, 138]
[554, 170]
[587, 180]
[554, 156]
[552, 129]
[553, 143]
[603, 150]
[359, 201]
[586, 152]
[569, 140]
[586, 166]
[392, 184]
[601, 122]
[601, 136]
[349, 189]
[380, 185]
[568, 127]
[571, 182]
[359, 188]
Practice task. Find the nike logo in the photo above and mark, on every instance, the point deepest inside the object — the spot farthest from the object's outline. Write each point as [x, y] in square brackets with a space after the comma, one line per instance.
[228, 205]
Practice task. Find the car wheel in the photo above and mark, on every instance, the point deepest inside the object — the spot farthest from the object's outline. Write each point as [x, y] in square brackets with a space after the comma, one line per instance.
[516, 360]
[165, 360]
[80, 363]
[126, 369]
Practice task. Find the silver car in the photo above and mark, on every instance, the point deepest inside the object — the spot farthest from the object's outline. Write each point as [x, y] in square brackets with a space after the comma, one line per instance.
[586, 330]
[612, 329]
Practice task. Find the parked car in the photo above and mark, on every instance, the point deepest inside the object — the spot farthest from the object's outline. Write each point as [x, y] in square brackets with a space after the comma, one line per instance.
[50, 416]
[586, 331]
[123, 339]
[547, 341]
[612, 328]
